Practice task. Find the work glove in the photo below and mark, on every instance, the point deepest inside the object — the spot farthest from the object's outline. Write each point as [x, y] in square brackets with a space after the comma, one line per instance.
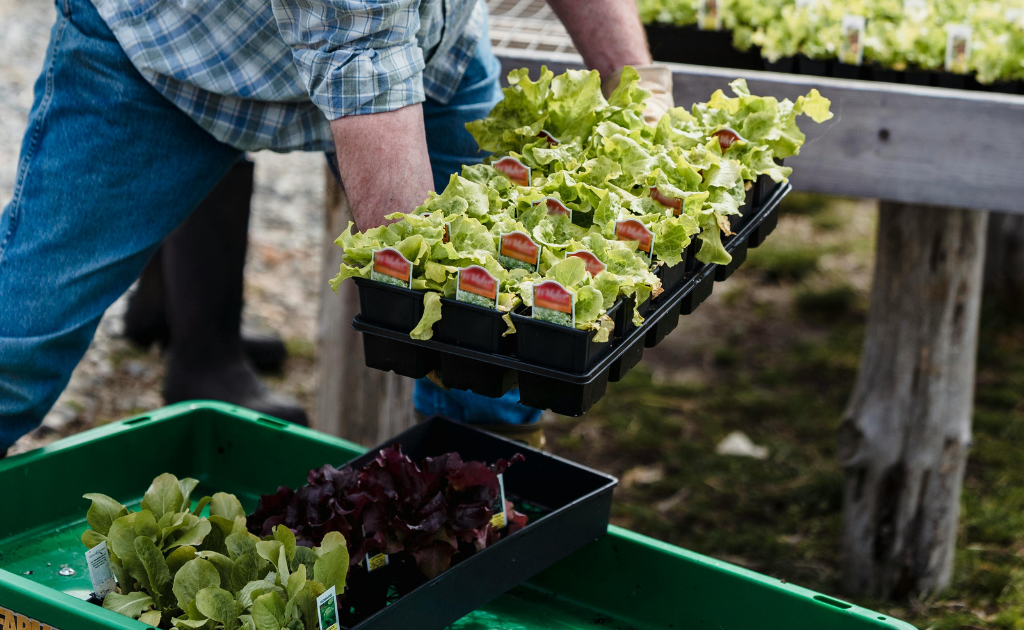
[657, 80]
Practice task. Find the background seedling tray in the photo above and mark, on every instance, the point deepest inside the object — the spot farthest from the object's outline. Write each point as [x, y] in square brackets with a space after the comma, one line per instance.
[687, 44]
[624, 580]
[567, 393]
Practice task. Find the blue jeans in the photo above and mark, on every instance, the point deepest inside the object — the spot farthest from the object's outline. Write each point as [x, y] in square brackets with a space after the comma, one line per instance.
[108, 168]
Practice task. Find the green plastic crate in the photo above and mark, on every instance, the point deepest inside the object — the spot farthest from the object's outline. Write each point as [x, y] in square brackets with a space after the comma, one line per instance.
[624, 581]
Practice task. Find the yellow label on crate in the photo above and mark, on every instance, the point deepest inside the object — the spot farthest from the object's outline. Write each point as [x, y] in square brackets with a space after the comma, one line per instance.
[10, 620]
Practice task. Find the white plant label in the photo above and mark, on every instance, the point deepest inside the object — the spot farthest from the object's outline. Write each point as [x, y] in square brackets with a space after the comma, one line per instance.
[958, 48]
[709, 15]
[327, 609]
[500, 518]
[98, 559]
[915, 10]
[851, 39]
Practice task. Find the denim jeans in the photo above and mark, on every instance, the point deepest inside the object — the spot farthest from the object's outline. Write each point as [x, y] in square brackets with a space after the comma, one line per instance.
[108, 168]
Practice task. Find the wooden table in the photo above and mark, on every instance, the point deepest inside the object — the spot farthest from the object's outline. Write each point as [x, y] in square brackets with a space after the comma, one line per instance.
[938, 159]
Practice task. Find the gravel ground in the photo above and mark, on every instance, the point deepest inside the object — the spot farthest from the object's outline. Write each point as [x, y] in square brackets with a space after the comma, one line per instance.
[114, 379]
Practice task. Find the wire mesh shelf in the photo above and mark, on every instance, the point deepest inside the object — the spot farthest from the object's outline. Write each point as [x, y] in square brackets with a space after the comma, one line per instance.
[527, 25]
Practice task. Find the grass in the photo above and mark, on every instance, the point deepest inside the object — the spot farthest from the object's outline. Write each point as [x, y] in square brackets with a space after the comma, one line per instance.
[787, 389]
[785, 259]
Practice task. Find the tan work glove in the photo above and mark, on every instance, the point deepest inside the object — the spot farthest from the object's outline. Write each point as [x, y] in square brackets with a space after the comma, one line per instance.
[655, 79]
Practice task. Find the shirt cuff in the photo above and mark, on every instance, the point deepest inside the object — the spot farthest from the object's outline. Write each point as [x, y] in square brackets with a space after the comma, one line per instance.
[346, 83]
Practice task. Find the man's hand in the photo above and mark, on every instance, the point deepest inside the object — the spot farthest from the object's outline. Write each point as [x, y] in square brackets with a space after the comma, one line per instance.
[383, 162]
[609, 35]
[655, 79]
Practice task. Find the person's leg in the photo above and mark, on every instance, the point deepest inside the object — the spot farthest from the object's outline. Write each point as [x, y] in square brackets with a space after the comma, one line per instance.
[145, 319]
[204, 261]
[451, 146]
[108, 168]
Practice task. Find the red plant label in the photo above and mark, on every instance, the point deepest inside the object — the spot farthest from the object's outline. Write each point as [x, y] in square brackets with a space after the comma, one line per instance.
[391, 267]
[477, 286]
[516, 250]
[634, 230]
[554, 303]
[515, 170]
[547, 135]
[668, 202]
[594, 266]
[555, 207]
[726, 138]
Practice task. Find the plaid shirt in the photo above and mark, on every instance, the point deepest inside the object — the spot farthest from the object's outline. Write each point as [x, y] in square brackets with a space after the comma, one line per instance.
[270, 74]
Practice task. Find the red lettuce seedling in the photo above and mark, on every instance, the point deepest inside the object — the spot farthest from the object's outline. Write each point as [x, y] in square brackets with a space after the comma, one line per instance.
[429, 512]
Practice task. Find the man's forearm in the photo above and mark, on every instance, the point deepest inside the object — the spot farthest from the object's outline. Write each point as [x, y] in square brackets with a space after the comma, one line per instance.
[383, 162]
[608, 33]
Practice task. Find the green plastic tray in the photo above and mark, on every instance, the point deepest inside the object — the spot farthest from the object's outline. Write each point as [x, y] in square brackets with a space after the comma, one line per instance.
[624, 581]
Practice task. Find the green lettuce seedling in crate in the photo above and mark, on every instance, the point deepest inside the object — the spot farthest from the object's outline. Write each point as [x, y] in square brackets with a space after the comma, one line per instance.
[176, 567]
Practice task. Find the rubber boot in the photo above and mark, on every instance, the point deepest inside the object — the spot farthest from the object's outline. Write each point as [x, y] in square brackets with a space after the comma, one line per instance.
[145, 320]
[203, 263]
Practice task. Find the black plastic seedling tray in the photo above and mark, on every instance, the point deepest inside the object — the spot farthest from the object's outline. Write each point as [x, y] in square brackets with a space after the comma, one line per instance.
[560, 347]
[570, 373]
[475, 327]
[628, 359]
[389, 306]
[568, 506]
[398, 355]
[671, 277]
[624, 317]
[687, 44]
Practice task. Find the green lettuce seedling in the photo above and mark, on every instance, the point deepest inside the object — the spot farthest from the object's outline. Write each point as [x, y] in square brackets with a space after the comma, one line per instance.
[177, 568]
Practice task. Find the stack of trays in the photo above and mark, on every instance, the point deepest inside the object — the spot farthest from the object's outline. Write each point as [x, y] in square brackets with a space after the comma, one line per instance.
[555, 367]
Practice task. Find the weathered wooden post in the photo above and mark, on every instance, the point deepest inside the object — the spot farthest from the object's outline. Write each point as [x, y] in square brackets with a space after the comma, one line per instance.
[904, 438]
[1004, 261]
[354, 402]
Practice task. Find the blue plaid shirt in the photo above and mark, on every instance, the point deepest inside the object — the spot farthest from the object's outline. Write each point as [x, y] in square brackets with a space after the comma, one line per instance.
[270, 74]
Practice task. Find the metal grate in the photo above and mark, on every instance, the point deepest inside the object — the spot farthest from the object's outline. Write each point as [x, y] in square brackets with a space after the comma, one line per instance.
[527, 25]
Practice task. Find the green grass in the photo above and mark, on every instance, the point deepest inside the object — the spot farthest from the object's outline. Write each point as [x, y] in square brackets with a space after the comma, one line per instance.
[827, 302]
[785, 259]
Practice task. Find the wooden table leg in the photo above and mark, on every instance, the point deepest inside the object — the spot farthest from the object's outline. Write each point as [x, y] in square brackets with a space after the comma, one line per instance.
[354, 402]
[904, 438]
[1004, 262]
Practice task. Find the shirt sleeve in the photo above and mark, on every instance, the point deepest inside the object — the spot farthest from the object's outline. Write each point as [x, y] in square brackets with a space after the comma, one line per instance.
[355, 56]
